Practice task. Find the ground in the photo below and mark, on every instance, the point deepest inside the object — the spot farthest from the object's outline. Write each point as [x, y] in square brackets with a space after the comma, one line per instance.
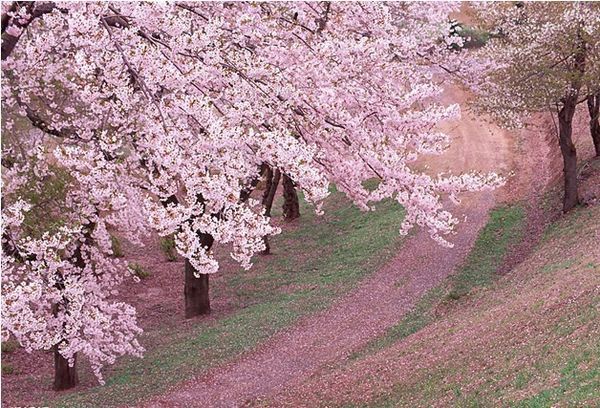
[346, 312]
[528, 339]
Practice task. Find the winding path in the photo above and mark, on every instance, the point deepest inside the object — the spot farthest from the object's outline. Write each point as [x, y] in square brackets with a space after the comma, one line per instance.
[378, 303]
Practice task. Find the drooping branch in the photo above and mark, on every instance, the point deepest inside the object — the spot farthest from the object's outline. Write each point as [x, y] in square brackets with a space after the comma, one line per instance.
[322, 22]
[247, 191]
[13, 28]
[37, 121]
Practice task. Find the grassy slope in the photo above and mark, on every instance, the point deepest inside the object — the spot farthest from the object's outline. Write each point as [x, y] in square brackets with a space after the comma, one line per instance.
[530, 339]
[503, 230]
[313, 264]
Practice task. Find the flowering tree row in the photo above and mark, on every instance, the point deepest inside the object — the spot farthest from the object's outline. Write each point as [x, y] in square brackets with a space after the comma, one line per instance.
[135, 117]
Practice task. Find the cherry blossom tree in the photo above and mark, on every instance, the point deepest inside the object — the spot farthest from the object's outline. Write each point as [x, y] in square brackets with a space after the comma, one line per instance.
[166, 114]
[543, 57]
[59, 277]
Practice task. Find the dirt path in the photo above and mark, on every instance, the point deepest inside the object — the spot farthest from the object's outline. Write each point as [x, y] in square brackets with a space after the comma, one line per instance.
[293, 355]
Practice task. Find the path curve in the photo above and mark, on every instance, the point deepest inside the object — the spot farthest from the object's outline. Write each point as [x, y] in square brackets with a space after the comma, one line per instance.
[378, 303]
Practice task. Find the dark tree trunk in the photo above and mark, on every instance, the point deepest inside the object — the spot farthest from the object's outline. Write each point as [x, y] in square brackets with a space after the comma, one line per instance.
[291, 206]
[569, 153]
[270, 190]
[268, 174]
[195, 289]
[593, 103]
[197, 300]
[565, 125]
[65, 377]
[272, 181]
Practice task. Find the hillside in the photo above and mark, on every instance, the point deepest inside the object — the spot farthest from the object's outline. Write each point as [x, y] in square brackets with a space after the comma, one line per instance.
[527, 339]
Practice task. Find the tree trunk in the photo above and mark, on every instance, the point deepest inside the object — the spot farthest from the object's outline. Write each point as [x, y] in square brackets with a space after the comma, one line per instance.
[291, 206]
[569, 153]
[565, 124]
[65, 377]
[195, 288]
[272, 177]
[593, 103]
[247, 191]
[196, 294]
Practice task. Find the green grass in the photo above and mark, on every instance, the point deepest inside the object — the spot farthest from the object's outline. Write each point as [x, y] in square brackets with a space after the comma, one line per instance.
[579, 382]
[9, 346]
[568, 226]
[522, 379]
[504, 230]
[116, 247]
[139, 270]
[553, 266]
[323, 258]
[575, 363]
[472, 36]
[559, 366]
[167, 245]
[7, 368]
